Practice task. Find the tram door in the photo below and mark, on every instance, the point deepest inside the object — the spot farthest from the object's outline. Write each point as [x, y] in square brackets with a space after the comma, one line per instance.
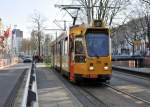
[71, 58]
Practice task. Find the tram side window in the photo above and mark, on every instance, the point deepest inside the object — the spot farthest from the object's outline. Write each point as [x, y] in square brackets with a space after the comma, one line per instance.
[52, 50]
[62, 50]
[79, 51]
[79, 47]
[57, 49]
[65, 47]
[60, 47]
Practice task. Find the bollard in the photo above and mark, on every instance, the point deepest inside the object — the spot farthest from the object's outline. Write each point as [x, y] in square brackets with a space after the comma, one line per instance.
[32, 78]
[31, 97]
[32, 71]
[33, 67]
[30, 92]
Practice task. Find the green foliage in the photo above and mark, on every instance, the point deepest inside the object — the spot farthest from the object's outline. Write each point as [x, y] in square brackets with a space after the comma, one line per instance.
[47, 59]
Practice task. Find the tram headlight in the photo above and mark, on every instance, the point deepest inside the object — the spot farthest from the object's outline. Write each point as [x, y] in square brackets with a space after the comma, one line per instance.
[91, 68]
[106, 67]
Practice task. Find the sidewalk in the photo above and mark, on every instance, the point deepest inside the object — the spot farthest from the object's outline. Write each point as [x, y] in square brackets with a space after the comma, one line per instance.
[51, 91]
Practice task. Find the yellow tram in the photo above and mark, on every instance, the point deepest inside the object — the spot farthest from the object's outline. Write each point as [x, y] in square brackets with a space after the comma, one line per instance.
[84, 53]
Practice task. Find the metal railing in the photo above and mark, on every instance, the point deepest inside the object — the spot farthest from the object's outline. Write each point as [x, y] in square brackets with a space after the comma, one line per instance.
[30, 96]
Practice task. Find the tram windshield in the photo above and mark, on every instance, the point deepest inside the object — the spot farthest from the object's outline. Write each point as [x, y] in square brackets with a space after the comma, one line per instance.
[97, 44]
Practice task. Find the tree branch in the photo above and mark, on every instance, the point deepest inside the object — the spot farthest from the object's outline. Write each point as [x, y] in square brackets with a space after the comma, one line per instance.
[146, 1]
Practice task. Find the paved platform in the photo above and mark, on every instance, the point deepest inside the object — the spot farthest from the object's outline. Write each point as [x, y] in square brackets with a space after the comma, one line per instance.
[51, 91]
[142, 70]
[9, 83]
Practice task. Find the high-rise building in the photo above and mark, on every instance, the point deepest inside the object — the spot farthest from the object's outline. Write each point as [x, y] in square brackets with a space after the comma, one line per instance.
[1, 38]
[17, 38]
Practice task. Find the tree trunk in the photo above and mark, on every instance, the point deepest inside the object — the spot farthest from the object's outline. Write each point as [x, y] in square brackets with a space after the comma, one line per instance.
[89, 12]
[39, 45]
[133, 50]
[148, 33]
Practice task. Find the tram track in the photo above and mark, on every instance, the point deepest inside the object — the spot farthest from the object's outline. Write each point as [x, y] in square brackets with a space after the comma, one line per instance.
[124, 92]
[89, 92]
[132, 72]
[99, 95]
[140, 81]
[93, 96]
[133, 81]
[86, 98]
[116, 90]
[128, 94]
[133, 75]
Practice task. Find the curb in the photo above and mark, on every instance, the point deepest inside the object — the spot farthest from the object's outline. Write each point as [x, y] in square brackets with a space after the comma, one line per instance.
[130, 71]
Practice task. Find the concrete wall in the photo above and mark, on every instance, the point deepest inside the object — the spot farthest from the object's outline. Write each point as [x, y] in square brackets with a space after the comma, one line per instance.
[8, 62]
[124, 63]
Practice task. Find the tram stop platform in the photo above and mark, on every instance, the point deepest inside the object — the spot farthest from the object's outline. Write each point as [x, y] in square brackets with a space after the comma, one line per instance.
[145, 71]
[51, 91]
[10, 80]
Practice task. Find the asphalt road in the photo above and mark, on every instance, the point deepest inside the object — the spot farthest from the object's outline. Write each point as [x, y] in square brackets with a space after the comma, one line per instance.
[10, 81]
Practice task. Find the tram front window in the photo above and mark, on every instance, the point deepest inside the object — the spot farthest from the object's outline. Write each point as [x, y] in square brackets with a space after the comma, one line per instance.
[97, 44]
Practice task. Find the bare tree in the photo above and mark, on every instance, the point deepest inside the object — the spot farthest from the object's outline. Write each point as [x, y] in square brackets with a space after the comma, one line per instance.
[103, 9]
[130, 33]
[39, 26]
[146, 1]
[26, 46]
[145, 13]
[46, 45]
[34, 40]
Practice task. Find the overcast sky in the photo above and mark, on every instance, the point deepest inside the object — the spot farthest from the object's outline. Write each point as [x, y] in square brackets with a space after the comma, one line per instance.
[18, 12]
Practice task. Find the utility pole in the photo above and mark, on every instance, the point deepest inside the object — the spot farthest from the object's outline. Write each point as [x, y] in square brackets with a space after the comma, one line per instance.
[88, 12]
[39, 40]
[56, 41]
[148, 31]
[64, 24]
